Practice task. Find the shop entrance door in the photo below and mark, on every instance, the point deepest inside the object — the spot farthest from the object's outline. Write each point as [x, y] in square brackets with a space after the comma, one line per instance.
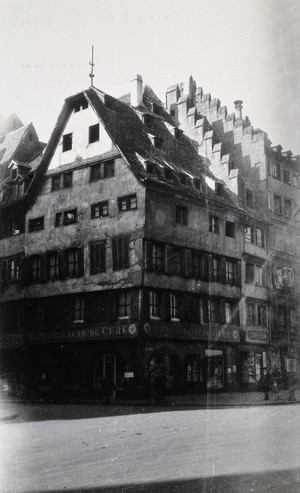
[215, 369]
[105, 368]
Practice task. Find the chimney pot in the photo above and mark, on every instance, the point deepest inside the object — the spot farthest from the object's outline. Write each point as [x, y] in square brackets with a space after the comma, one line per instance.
[238, 105]
[136, 90]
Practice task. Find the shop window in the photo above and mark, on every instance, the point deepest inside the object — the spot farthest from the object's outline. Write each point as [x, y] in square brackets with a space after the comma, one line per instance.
[193, 372]
[97, 259]
[67, 142]
[277, 204]
[174, 307]
[154, 304]
[99, 210]
[287, 208]
[124, 304]
[127, 203]
[230, 229]
[214, 224]
[36, 224]
[94, 133]
[181, 215]
[78, 313]
[120, 253]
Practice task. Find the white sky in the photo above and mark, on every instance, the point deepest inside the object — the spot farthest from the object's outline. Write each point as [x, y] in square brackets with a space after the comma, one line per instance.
[235, 49]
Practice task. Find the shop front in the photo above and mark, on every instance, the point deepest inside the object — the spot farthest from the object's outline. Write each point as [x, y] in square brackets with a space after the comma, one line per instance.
[254, 359]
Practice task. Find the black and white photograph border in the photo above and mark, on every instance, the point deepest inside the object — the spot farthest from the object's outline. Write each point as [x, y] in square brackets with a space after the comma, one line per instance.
[149, 246]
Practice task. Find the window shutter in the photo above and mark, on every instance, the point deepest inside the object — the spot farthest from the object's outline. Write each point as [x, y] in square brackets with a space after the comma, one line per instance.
[93, 256]
[134, 304]
[115, 254]
[169, 260]
[205, 270]
[205, 309]
[112, 301]
[188, 263]
[125, 242]
[210, 267]
[148, 255]
[238, 281]
[146, 304]
[4, 267]
[43, 267]
[80, 261]
[166, 306]
[222, 311]
[222, 270]
[236, 314]
[62, 266]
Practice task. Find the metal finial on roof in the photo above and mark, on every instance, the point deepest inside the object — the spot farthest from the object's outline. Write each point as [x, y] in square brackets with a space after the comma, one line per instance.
[91, 74]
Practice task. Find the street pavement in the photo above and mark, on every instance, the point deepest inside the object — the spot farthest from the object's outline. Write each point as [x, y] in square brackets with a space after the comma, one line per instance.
[203, 447]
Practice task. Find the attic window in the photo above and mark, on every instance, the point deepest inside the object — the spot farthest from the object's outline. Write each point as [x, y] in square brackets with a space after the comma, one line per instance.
[156, 109]
[168, 174]
[158, 142]
[94, 133]
[67, 142]
[147, 120]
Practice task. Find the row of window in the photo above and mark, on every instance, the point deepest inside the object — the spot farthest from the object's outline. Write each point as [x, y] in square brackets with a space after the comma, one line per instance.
[284, 175]
[284, 206]
[98, 210]
[93, 136]
[103, 307]
[98, 171]
[180, 261]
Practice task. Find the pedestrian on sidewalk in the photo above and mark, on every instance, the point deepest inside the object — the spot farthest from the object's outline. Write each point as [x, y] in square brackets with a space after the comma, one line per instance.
[267, 384]
[276, 390]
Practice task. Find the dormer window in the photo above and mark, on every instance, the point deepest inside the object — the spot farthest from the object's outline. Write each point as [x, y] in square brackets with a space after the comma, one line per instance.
[67, 142]
[147, 120]
[80, 105]
[168, 174]
[94, 133]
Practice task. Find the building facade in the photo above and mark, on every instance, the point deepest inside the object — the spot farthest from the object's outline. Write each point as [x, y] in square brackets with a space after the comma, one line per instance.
[144, 248]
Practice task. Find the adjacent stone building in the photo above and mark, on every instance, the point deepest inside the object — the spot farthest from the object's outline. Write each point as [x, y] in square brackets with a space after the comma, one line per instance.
[146, 245]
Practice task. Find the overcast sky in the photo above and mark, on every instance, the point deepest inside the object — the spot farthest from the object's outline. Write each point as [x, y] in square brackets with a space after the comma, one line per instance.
[238, 49]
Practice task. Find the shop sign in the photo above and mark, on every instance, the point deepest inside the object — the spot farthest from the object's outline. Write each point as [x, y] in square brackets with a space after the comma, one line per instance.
[192, 331]
[257, 336]
[14, 339]
[103, 332]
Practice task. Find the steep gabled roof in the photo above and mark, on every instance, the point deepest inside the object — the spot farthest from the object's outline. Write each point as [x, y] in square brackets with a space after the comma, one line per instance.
[134, 139]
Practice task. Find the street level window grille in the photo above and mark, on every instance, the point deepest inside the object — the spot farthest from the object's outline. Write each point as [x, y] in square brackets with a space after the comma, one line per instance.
[127, 203]
[277, 204]
[97, 253]
[94, 133]
[214, 224]
[182, 215]
[124, 304]
[36, 224]
[67, 142]
[120, 252]
[11, 269]
[78, 316]
[154, 304]
[174, 307]
[230, 229]
[99, 210]
[287, 208]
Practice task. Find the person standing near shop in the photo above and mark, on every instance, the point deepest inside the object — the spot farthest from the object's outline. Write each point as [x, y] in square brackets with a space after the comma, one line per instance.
[267, 384]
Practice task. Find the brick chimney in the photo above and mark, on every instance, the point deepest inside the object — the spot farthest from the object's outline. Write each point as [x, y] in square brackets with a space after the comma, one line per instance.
[137, 90]
[238, 105]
